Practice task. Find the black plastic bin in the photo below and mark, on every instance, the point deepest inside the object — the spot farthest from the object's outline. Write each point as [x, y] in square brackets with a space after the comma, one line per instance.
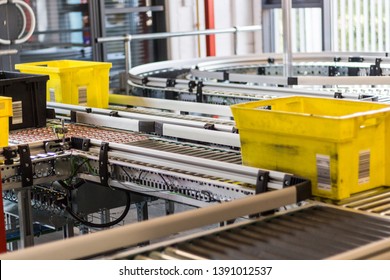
[28, 94]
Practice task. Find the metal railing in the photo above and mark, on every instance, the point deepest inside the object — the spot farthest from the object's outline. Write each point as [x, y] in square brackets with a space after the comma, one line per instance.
[127, 39]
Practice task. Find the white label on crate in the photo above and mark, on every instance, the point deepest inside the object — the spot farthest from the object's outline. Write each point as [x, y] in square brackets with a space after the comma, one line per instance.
[82, 95]
[52, 95]
[323, 172]
[364, 167]
[17, 113]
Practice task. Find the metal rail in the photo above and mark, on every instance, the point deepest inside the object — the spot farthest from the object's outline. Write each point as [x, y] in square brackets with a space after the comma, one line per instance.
[127, 39]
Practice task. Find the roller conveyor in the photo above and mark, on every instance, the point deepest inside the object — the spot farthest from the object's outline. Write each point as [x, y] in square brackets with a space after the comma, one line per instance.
[315, 232]
[191, 150]
[230, 80]
[375, 201]
[201, 175]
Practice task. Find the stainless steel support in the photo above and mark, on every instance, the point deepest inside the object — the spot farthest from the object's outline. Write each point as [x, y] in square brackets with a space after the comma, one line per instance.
[327, 35]
[69, 229]
[25, 218]
[128, 59]
[235, 40]
[105, 216]
[142, 211]
[287, 44]
[11, 224]
[169, 207]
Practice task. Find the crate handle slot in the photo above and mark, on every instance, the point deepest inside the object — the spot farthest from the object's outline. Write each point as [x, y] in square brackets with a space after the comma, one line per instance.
[367, 121]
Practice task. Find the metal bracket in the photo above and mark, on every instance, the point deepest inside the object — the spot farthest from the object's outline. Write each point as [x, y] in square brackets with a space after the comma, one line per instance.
[199, 92]
[55, 146]
[73, 116]
[261, 70]
[333, 71]
[353, 71]
[26, 169]
[225, 76]
[80, 143]
[114, 114]
[103, 163]
[209, 126]
[145, 81]
[9, 153]
[262, 181]
[191, 86]
[337, 59]
[292, 81]
[376, 70]
[355, 59]
[171, 83]
[302, 185]
[261, 187]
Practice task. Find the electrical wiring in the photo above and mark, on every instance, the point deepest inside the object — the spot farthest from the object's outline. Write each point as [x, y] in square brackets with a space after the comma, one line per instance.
[105, 225]
[69, 180]
[171, 188]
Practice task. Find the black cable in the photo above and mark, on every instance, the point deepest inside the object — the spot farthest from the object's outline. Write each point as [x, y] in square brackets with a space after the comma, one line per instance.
[109, 224]
[170, 187]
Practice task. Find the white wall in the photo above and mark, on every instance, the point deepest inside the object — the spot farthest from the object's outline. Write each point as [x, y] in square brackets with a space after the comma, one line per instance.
[229, 13]
[187, 15]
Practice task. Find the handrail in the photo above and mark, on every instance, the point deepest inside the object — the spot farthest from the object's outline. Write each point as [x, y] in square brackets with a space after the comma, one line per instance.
[127, 39]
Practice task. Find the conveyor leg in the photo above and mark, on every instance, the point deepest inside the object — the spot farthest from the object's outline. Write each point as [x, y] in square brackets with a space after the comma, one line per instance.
[169, 207]
[25, 218]
[105, 216]
[69, 229]
[11, 224]
[142, 215]
[142, 211]
[84, 229]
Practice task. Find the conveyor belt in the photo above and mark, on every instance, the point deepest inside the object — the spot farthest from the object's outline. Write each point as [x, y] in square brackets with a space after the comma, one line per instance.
[316, 232]
[47, 133]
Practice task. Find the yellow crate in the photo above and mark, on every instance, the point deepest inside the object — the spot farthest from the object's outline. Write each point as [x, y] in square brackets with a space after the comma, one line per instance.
[339, 145]
[72, 81]
[5, 113]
